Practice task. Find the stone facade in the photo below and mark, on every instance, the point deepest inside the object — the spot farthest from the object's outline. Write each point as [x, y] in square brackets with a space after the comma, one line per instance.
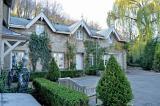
[58, 42]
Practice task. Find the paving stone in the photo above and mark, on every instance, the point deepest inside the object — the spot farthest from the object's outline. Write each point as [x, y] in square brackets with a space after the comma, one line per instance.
[17, 99]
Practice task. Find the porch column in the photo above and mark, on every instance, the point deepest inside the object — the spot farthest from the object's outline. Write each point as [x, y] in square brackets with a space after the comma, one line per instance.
[1, 20]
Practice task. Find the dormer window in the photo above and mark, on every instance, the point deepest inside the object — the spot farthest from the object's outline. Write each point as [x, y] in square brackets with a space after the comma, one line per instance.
[39, 29]
[79, 35]
[110, 40]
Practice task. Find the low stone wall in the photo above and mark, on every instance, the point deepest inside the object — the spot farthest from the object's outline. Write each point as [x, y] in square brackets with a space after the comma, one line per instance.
[68, 82]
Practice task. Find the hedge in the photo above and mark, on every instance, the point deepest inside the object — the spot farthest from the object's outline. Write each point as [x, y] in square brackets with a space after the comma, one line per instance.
[37, 75]
[72, 74]
[57, 95]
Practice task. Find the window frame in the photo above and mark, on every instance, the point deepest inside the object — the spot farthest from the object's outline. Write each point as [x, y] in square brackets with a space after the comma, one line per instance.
[39, 27]
[91, 59]
[59, 59]
[79, 35]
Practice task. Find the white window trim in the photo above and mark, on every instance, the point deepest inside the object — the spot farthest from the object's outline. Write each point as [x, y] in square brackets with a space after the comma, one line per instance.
[60, 62]
[39, 29]
[92, 59]
[79, 35]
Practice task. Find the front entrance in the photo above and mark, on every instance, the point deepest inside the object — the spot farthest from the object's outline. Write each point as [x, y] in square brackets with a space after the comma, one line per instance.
[79, 61]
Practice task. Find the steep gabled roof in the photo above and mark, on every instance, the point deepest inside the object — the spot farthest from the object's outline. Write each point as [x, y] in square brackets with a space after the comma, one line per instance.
[76, 25]
[64, 29]
[107, 32]
[61, 27]
[18, 22]
[41, 16]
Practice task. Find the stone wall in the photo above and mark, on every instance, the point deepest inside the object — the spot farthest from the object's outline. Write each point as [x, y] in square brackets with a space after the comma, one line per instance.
[58, 41]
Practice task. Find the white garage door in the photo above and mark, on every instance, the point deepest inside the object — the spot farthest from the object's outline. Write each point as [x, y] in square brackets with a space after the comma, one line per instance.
[119, 57]
[79, 61]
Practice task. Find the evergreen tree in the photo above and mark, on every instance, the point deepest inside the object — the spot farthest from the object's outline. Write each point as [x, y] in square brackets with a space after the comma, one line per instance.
[148, 55]
[53, 73]
[113, 88]
[156, 61]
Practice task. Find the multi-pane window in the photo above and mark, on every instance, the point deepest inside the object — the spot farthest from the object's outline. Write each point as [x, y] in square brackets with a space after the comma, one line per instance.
[59, 58]
[39, 29]
[17, 57]
[79, 35]
[91, 59]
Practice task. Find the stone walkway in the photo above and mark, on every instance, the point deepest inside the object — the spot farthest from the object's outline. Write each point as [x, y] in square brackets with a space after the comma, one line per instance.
[17, 99]
[145, 86]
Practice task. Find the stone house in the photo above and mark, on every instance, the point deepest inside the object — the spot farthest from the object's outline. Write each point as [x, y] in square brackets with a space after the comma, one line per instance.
[59, 34]
[8, 38]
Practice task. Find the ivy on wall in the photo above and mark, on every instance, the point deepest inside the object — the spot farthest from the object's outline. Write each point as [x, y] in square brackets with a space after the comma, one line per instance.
[70, 54]
[94, 49]
[39, 50]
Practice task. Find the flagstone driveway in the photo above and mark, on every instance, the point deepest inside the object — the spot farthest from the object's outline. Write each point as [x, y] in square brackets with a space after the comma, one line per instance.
[145, 86]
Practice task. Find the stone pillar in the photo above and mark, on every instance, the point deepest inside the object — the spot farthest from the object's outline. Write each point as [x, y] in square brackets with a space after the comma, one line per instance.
[1, 24]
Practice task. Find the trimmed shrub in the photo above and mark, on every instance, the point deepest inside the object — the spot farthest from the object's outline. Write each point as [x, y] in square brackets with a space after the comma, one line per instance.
[53, 73]
[91, 70]
[57, 95]
[156, 62]
[38, 75]
[113, 88]
[72, 74]
[148, 55]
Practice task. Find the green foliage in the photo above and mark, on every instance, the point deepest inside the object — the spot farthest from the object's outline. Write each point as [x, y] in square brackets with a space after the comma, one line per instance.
[57, 95]
[136, 19]
[72, 74]
[53, 73]
[113, 88]
[71, 51]
[156, 61]
[3, 79]
[39, 50]
[93, 48]
[148, 55]
[63, 74]
[91, 70]
[34, 75]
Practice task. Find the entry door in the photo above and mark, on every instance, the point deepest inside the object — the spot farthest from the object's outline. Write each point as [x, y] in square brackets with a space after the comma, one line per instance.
[79, 61]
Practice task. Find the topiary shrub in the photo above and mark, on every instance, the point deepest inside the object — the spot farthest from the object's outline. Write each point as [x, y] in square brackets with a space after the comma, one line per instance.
[53, 73]
[113, 88]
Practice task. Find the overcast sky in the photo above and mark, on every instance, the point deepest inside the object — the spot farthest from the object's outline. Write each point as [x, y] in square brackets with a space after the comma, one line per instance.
[92, 10]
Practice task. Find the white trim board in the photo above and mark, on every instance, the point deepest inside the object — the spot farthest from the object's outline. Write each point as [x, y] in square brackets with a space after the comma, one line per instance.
[42, 16]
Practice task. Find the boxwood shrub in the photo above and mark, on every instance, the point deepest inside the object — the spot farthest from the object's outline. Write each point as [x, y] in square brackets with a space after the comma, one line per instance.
[114, 88]
[57, 95]
[37, 75]
[72, 74]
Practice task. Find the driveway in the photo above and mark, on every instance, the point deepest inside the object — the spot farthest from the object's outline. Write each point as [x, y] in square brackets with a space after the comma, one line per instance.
[145, 86]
